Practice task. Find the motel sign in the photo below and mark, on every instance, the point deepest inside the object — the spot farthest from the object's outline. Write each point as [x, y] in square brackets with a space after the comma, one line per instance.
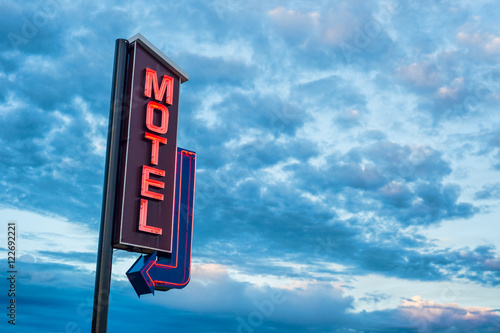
[148, 202]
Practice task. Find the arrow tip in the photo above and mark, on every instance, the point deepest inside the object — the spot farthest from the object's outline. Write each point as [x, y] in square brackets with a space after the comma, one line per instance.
[139, 277]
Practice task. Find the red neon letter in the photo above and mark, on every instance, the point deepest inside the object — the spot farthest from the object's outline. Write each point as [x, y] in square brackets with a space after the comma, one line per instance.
[143, 217]
[155, 146]
[152, 84]
[152, 106]
[147, 182]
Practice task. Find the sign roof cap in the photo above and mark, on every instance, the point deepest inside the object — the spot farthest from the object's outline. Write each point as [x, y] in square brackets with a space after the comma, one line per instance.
[160, 56]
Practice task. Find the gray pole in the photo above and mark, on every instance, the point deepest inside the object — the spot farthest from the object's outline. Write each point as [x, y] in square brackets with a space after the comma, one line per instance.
[105, 250]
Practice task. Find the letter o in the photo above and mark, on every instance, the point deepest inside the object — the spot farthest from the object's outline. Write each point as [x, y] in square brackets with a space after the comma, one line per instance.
[152, 106]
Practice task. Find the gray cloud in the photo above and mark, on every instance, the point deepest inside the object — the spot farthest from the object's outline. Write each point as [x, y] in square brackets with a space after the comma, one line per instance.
[262, 74]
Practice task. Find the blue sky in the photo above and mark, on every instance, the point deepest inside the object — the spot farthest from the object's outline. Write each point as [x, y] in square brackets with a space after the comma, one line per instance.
[348, 163]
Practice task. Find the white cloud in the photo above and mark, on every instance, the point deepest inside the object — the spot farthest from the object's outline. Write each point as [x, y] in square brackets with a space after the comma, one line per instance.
[295, 21]
[429, 315]
[460, 292]
[486, 43]
[37, 233]
[96, 124]
[12, 104]
[420, 74]
[330, 27]
[207, 113]
[452, 91]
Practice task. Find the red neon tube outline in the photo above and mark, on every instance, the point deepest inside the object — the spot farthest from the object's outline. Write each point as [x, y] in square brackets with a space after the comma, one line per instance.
[143, 217]
[167, 84]
[152, 106]
[155, 146]
[155, 263]
[146, 182]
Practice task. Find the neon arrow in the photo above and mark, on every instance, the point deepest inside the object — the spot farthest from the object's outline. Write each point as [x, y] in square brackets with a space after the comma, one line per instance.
[171, 271]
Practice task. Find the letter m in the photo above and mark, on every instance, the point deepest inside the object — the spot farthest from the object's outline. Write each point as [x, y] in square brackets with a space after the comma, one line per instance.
[167, 84]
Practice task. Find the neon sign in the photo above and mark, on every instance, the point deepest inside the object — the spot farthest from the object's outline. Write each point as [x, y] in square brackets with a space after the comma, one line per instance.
[155, 196]
[146, 192]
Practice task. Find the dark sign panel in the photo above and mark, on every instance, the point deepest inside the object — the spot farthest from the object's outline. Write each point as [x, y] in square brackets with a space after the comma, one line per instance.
[145, 198]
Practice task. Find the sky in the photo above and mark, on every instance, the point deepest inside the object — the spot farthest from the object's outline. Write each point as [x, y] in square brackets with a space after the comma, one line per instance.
[348, 163]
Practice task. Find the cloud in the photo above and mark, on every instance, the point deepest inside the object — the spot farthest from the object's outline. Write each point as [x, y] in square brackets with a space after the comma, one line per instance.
[489, 191]
[401, 182]
[483, 263]
[486, 44]
[490, 146]
[40, 232]
[430, 317]
[348, 32]
[294, 23]
[312, 123]
[419, 74]
[66, 294]
[418, 315]
[215, 301]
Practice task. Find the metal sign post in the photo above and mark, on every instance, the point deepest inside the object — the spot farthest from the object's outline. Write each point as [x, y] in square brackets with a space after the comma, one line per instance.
[105, 250]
